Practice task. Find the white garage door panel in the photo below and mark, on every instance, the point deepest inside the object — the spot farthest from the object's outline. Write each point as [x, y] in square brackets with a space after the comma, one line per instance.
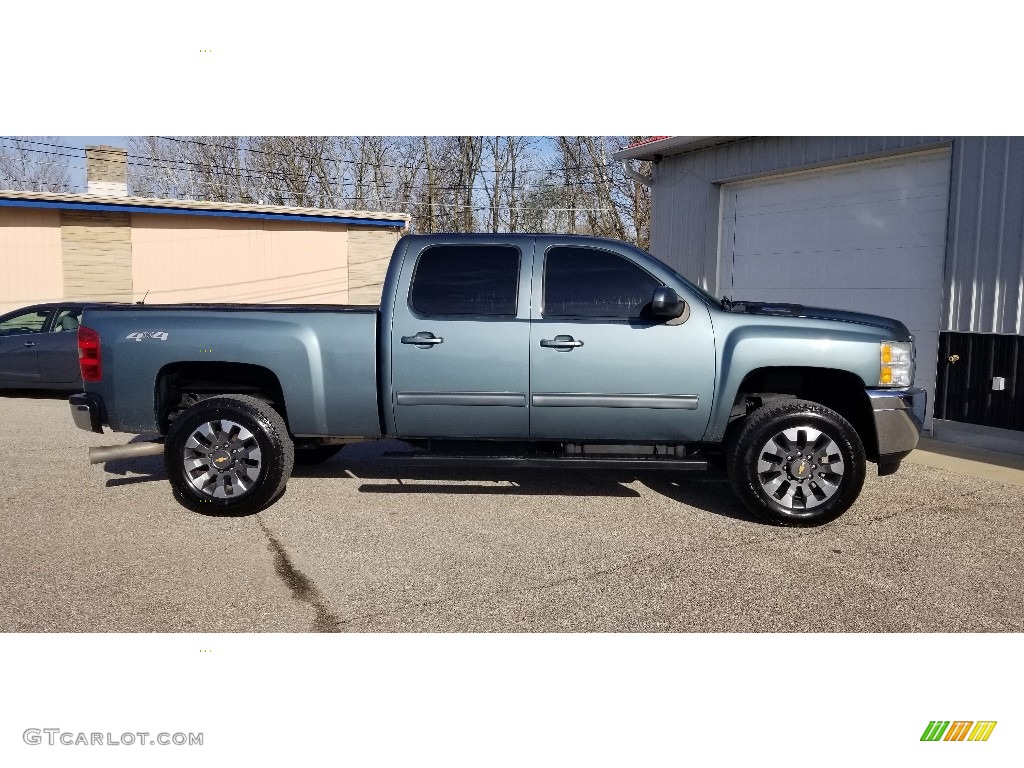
[868, 237]
[859, 269]
[824, 229]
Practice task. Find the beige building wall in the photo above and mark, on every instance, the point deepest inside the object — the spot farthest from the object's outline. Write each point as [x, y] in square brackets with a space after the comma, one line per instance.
[97, 256]
[30, 257]
[369, 252]
[220, 259]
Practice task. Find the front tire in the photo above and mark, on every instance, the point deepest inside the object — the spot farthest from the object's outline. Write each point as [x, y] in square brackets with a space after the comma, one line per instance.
[228, 455]
[796, 463]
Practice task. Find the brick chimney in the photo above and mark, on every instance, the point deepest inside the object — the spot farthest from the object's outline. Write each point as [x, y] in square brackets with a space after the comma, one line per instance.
[106, 169]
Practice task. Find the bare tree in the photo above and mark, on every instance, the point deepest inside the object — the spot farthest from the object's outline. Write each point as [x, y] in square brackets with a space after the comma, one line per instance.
[425, 215]
[385, 171]
[634, 199]
[493, 182]
[448, 201]
[198, 168]
[505, 180]
[598, 196]
[446, 183]
[305, 171]
[30, 163]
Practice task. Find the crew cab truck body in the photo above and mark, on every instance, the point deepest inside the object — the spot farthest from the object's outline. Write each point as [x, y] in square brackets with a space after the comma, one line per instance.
[535, 350]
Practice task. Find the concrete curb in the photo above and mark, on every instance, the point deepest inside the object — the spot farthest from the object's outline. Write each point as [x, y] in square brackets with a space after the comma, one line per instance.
[969, 460]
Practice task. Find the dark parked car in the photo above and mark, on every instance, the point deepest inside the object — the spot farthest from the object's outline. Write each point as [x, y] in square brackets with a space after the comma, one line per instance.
[39, 347]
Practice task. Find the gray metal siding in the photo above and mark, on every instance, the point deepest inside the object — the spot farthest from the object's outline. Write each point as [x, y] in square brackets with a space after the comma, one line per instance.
[984, 271]
[985, 249]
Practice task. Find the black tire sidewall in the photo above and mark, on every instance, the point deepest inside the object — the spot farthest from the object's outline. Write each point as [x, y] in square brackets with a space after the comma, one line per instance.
[745, 453]
[275, 456]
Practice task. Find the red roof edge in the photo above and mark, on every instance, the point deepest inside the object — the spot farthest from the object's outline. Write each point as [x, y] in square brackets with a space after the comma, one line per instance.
[648, 140]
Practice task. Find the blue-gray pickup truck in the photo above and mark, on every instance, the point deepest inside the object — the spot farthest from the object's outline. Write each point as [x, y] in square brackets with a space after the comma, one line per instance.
[510, 350]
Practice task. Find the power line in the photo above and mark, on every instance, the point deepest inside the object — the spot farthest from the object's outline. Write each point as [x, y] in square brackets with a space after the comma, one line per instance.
[418, 168]
[382, 200]
[256, 177]
[383, 165]
[256, 174]
[420, 204]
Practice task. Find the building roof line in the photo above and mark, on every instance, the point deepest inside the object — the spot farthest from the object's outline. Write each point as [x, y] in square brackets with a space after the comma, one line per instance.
[80, 201]
[669, 145]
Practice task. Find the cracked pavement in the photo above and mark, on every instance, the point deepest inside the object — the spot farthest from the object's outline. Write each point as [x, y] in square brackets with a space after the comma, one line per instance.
[353, 547]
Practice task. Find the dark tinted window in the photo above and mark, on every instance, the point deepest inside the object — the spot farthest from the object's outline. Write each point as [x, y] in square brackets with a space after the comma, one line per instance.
[585, 282]
[466, 280]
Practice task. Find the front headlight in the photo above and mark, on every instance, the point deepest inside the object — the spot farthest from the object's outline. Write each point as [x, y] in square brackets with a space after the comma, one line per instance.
[897, 364]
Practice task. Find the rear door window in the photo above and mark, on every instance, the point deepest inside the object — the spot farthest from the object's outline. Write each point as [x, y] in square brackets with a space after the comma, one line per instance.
[480, 280]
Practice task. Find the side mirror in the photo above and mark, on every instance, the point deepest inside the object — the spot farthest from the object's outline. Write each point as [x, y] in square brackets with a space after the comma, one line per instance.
[666, 303]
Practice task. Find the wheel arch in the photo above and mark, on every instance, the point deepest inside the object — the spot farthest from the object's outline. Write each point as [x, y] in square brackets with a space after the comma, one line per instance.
[842, 391]
[179, 385]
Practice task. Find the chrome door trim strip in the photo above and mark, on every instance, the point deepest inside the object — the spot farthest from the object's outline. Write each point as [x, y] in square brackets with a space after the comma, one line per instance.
[593, 400]
[514, 399]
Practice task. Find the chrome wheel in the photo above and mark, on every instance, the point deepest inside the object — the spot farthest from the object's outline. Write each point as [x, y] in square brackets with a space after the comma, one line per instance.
[800, 467]
[222, 459]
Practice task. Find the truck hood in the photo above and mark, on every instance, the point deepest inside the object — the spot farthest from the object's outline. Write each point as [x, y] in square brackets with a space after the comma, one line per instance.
[898, 329]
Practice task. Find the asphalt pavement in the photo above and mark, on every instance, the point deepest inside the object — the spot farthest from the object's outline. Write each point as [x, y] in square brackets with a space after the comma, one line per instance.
[354, 546]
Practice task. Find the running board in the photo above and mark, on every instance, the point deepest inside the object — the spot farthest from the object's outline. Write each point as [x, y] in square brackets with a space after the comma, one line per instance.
[409, 459]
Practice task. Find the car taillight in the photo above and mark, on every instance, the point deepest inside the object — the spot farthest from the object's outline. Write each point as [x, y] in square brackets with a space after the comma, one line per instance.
[89, 354]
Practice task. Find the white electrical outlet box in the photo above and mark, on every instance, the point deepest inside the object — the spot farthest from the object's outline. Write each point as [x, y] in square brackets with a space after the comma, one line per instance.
[998, 383]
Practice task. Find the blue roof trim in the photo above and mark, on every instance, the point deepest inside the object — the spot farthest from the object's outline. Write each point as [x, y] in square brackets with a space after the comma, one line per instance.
[194, 212]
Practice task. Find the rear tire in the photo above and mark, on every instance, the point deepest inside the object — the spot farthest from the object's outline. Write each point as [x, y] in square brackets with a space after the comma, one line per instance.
[796, 463]
[228, 455]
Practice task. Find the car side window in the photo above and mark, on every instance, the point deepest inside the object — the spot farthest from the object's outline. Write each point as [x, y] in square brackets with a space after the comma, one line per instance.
[28, 322]
[481, 280]
[589, 282]
[67, 320]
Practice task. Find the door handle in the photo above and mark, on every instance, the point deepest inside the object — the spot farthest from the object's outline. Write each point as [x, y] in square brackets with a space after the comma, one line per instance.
[29, 344]
[561, 342]
[423, 339]
[953, 358]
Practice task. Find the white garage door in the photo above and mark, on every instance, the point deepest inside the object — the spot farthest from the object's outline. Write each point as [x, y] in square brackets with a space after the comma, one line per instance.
[868, 237]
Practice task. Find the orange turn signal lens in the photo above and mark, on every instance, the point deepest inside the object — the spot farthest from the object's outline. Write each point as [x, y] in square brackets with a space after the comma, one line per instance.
[896, 363]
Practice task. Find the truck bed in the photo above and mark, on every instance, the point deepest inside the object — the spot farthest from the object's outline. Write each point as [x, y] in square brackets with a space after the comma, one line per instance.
[324, 358]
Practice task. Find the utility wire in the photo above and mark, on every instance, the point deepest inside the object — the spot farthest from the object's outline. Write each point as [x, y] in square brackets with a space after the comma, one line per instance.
[231, 170]
[392, 202]
[383, 165]
[165, 164]
[312, 189]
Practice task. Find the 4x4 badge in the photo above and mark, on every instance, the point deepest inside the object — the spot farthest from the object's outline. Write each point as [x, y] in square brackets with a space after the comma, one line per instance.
[142, 335]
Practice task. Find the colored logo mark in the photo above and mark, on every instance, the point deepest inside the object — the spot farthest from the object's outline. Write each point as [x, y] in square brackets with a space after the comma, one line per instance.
[958, 730]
